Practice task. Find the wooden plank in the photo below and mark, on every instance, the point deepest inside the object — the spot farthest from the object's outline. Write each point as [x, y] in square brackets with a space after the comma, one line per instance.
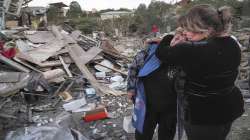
[6, 116]
[75, 53]
[86, 56]
[62, 51]
[76, 35]
[91, 54]
[65, 67]
[113, 69]
[68, 39]
[50, 64]
[26, 64]
[52, 74]
[13, 64]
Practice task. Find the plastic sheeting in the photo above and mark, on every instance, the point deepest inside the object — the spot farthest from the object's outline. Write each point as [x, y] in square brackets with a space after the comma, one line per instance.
[45, 133]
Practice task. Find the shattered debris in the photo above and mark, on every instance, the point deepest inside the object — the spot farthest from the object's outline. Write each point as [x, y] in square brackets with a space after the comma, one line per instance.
[54, 71]
[72, 80]
[45, 133]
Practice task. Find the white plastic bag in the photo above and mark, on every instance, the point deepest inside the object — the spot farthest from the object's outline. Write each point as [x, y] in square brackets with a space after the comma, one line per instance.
[127, 124]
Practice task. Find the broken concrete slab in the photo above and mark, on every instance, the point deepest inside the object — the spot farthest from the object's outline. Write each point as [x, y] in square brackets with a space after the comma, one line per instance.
[9, 77]
[42, 53]
[7, 89]
[41, 37]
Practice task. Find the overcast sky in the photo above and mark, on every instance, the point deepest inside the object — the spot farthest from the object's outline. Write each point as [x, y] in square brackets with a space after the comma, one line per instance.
[97, 4]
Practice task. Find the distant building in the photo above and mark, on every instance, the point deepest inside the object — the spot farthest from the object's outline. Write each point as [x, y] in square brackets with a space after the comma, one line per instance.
[94, 10]
[36, 10]
[60, 5]
[115, 14]
[183, 2]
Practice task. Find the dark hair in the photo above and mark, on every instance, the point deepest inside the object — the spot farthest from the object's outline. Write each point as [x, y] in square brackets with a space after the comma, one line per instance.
[166, 40]
[202, 18]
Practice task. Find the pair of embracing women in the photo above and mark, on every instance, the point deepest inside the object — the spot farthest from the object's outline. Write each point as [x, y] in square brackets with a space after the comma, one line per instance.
[209, 101]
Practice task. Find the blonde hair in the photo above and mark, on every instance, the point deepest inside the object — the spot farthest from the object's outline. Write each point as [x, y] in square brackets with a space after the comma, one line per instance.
[204, 17]
[179, 30]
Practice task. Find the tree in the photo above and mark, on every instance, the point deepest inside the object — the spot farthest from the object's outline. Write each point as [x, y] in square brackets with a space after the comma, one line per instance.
[75, 11]
[157, 13]
[140, 18]
[87, 24]
[245, 8]
[236, 5]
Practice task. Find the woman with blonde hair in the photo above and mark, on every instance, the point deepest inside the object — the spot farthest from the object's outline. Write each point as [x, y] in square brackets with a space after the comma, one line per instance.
[210, 57]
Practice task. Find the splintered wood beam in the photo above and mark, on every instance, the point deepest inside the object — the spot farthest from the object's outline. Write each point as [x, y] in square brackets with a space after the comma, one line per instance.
[113, 69]
[66, 68]
[13, 64]
[76, 52]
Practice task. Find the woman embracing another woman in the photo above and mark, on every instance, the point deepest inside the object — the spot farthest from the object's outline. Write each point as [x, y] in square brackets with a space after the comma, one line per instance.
[210, 57]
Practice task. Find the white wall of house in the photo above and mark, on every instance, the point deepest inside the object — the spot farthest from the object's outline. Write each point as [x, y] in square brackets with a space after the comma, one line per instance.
[114, 14]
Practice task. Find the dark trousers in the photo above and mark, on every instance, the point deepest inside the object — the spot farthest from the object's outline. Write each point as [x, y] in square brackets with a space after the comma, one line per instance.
[207, 132]
[166, 126]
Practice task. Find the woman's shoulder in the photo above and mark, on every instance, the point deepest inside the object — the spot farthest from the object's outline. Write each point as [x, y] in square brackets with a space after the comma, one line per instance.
[140, 55]
[225, 40]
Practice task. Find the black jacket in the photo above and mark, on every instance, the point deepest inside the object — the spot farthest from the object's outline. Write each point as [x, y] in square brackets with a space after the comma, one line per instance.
[159, 90]
[211, 69]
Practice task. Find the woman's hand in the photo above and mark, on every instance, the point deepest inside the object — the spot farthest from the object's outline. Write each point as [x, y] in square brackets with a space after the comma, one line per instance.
[178, 38]
[130, 95]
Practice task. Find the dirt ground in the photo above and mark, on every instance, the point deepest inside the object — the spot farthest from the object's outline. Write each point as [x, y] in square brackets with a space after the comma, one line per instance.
[241, 127]
[108, 129]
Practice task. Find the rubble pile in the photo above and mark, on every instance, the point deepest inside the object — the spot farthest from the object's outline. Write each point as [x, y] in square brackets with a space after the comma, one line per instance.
[62, 78]
[243, 37]
[129, 46]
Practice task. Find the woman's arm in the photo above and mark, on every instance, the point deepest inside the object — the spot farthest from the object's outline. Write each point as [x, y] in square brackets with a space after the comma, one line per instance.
[171, 54]
[132, 73]
[180, 53]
